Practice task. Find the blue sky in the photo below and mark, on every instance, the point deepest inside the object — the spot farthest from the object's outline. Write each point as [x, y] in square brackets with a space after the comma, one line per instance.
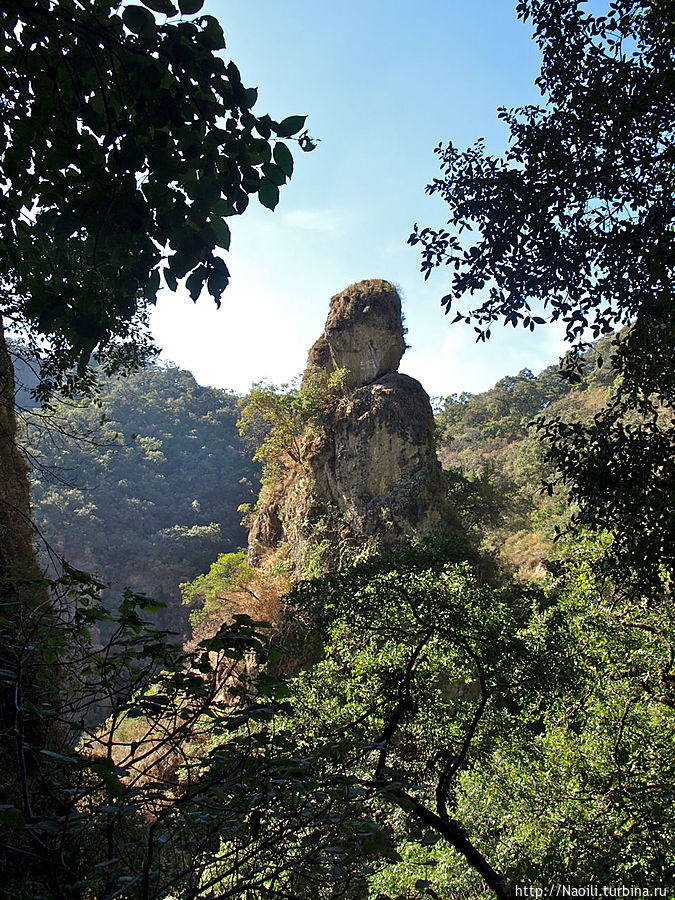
[382, 84]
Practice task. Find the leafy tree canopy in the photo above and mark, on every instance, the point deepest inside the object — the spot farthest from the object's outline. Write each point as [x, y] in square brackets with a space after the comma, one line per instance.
[190, 788]
[575, 224]
[576, 219]
[505, 737]
[274, 417]
[128, 142]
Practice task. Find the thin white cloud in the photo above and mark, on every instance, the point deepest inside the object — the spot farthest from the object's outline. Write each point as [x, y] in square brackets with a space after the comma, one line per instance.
[324, 220]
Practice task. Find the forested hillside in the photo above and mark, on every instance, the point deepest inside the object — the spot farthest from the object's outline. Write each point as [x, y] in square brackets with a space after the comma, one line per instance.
[495, 461]
[142, 486]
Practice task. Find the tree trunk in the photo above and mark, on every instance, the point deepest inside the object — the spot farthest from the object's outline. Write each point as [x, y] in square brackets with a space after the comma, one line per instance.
[25, 618]
[17, 558]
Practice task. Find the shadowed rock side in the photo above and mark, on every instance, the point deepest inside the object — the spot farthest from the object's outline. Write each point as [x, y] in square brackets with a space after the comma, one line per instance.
[17, 559]
[26, 615]
[370, 475]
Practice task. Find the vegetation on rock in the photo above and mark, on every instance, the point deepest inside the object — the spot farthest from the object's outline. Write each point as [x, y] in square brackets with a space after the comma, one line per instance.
[368, 475]
[273, 418]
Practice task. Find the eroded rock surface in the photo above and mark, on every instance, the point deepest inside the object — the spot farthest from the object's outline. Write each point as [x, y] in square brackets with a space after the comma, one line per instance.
[370, 475]
[363, 333]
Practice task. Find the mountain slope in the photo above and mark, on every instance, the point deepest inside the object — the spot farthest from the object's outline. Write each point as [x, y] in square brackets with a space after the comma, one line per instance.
[495, 462]
[142, 486]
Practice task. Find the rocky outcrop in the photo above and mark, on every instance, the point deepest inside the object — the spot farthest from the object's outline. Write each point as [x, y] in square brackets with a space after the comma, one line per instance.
[363, 333]
[370, 474]
[17, 559]
[27, 617]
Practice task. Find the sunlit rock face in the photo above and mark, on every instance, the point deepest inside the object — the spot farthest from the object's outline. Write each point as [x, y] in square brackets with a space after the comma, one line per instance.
[363, 333]
[370, 476]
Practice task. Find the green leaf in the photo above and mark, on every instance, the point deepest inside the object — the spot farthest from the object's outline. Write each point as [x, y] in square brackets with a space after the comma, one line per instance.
[60, 757]
[46, 826]
[274, 173]
[235, 722]
[165, 7]
[211, 35]
[305, 143]
[195, 283]
[290, 126]
[139, 21]
[151, 288]
[190, 7]
[430, 838]
[222, 230]
[222, 208]
[149, 604]
[281, 691]
[241, 202]
[218, 279]
[264, 126]
[170, 279]
[268, 193]
[105, 769]
[283, 158]
[251, 95]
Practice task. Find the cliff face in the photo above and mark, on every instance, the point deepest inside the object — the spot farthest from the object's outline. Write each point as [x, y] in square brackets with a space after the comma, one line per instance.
[26, 605]
[370, 475]
[17, 558]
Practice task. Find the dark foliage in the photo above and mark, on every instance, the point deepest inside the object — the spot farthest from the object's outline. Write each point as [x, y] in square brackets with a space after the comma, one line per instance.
[128, 141]
[191, 787]
[575, 224]
[575, 219]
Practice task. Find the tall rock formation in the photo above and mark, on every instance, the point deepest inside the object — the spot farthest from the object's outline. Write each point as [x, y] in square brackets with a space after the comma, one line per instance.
[369, 475]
